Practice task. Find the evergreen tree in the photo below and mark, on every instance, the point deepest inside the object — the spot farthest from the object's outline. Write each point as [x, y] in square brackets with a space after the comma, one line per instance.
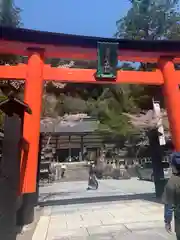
[150, 20]
[145, 20]
[9, 14]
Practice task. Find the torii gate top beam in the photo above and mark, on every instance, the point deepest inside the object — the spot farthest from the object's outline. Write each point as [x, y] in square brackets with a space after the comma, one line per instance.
[18, 40]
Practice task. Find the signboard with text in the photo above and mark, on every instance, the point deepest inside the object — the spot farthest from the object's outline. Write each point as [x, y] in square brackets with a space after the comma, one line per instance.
[107, 60]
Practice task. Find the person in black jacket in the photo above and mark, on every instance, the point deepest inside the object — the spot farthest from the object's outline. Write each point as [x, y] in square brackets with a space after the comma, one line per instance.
[92, 182]
[171, 196]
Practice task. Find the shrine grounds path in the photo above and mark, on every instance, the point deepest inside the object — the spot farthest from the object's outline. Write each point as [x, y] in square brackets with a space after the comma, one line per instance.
[119, 209]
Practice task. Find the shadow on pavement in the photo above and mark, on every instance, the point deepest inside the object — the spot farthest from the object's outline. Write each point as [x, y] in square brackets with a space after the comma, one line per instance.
[46, 196]
[143, 196]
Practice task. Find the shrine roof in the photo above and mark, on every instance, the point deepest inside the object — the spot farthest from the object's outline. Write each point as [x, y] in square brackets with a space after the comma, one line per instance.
[34, 37]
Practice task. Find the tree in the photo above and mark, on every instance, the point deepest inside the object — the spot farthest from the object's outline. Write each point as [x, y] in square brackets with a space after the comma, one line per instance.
[150, 20]
[111, 105]
[9, 17]
[145, 20]
[114, 101]
[9, 14]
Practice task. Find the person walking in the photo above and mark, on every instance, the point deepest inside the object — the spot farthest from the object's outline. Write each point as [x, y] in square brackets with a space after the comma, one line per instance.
[92, 182]
[171, 197]
[63, 170]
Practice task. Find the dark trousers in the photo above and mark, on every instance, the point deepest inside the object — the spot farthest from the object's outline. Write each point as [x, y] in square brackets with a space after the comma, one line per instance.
[92, 181]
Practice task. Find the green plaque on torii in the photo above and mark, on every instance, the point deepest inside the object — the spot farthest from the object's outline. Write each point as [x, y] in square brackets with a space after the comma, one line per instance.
[107, 60]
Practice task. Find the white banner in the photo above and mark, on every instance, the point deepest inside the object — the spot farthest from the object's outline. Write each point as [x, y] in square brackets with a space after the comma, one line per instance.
[157, 112]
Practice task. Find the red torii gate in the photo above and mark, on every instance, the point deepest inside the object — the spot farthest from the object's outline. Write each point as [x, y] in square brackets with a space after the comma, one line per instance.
[40, 45]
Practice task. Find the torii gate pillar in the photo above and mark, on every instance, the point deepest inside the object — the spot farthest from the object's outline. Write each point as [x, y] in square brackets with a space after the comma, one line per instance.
[31, 133]
[172, 98]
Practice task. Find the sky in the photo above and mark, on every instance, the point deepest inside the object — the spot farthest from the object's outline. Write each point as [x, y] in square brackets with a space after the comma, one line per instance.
[81, 17]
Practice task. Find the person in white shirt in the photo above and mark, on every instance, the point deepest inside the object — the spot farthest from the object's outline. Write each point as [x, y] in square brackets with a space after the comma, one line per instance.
[63, 170]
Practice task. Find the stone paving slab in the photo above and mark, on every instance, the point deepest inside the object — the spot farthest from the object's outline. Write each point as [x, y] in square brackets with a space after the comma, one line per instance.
[126, 220]
[156, 234]
[129, 218]
[27, 231]
[77, 190]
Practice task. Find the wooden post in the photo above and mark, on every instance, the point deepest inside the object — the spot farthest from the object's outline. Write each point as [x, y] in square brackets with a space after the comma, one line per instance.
[172, 98]
[38, 170]
[9, 177]
[69, 149]
[82, 148]
[156, 156]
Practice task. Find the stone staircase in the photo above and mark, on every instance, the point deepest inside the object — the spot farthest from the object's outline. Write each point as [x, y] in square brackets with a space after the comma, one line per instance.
[76, 172]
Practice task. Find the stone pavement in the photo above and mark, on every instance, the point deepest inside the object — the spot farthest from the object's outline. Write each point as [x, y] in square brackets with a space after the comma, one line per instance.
[125, 220]
[109, 190]
[119, 209]
[27, 231]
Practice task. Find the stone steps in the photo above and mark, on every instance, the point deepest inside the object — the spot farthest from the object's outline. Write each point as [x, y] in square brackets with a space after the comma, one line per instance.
[76, 172]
